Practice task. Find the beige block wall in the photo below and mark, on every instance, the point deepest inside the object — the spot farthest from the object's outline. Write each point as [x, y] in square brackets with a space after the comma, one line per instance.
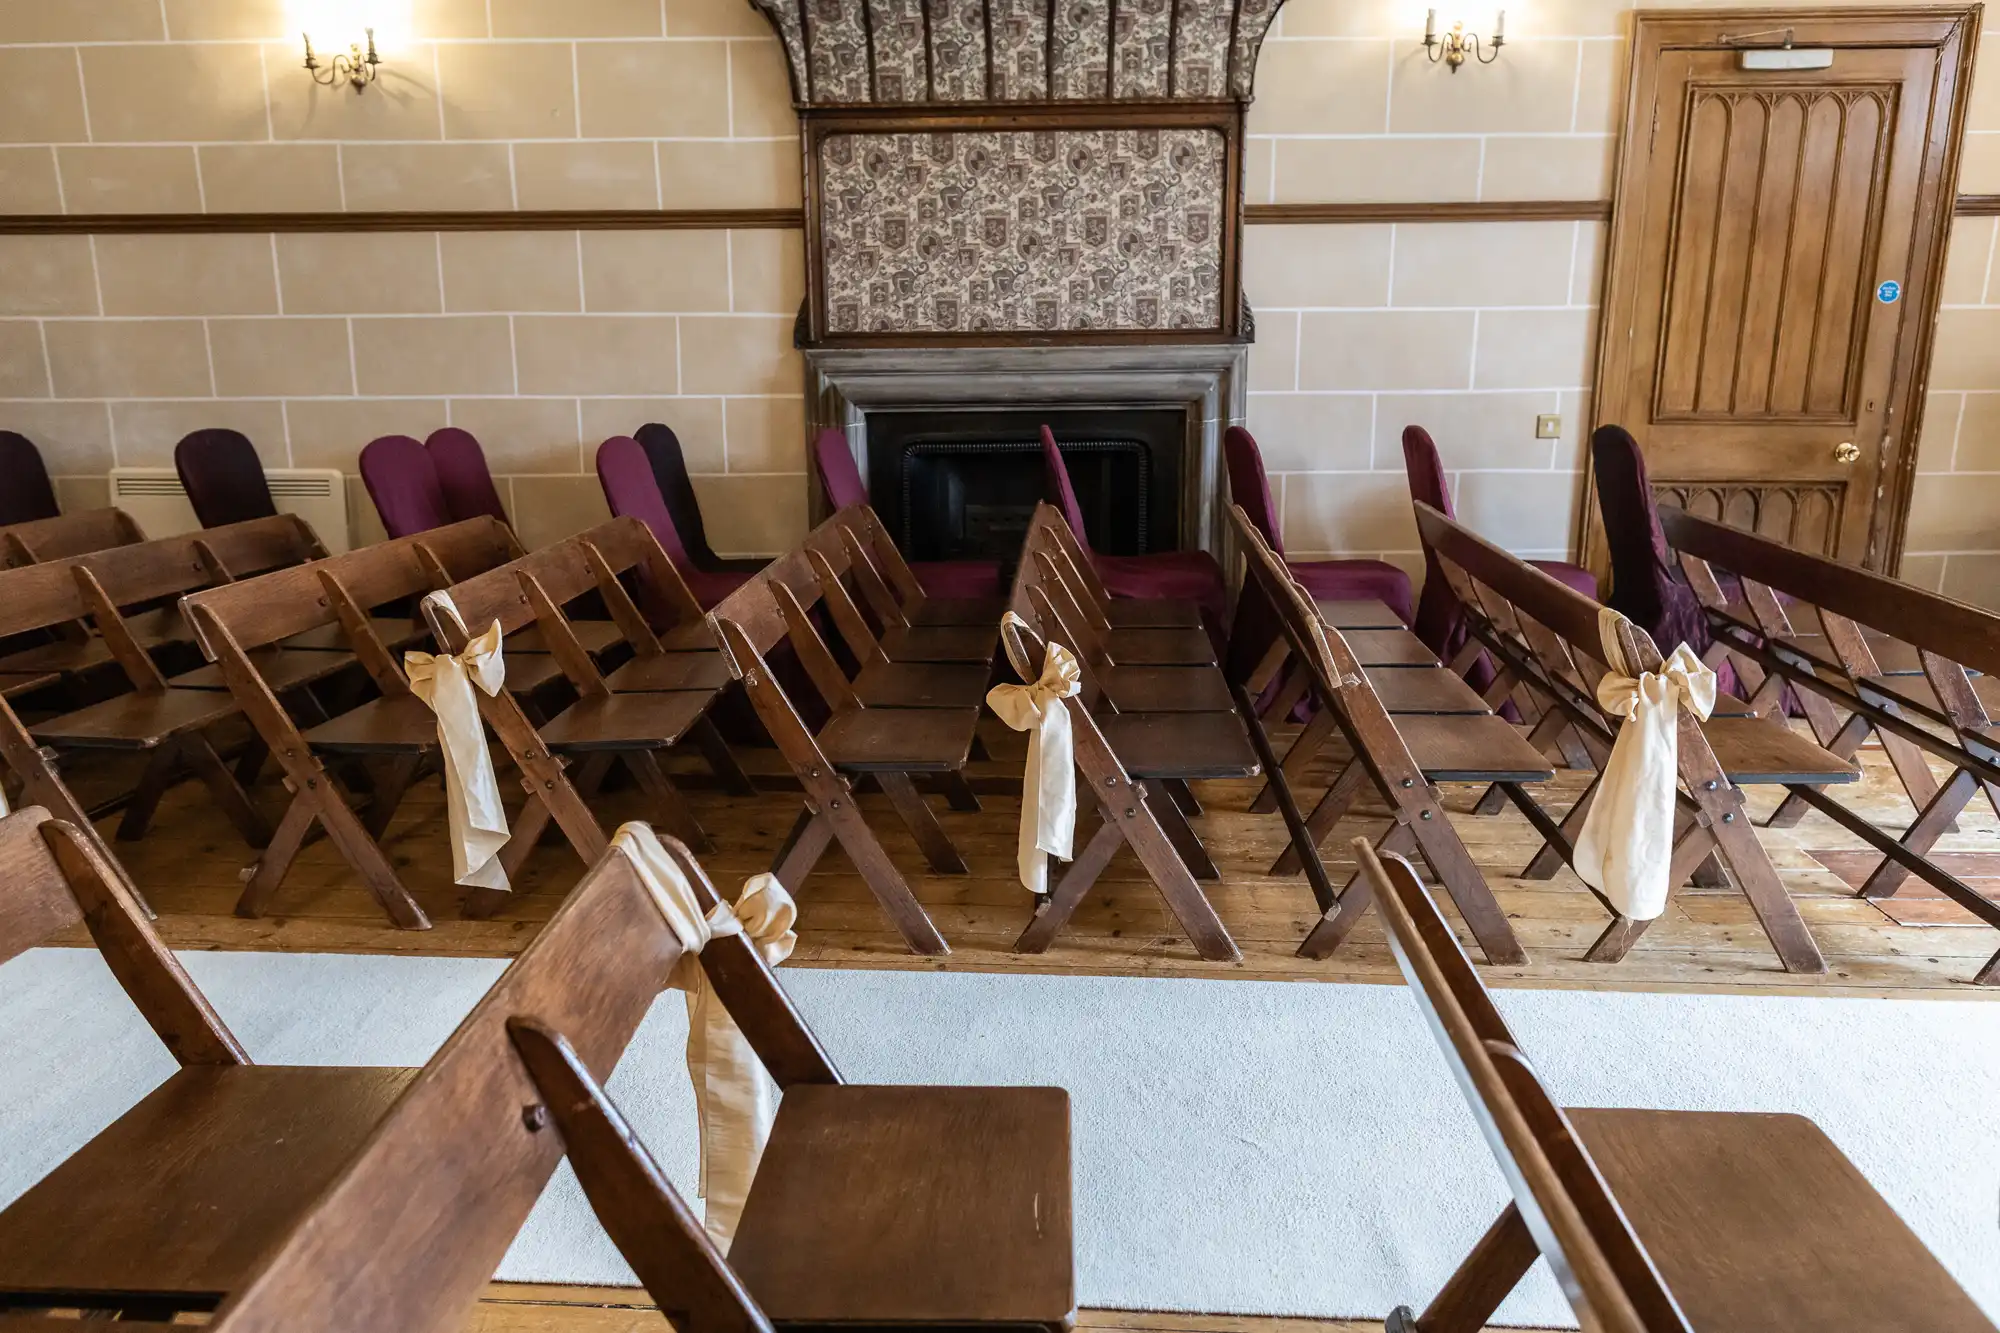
[545, 343]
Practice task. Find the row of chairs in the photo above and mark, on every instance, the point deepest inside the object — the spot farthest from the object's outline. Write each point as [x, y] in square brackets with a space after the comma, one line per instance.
[273, 1197]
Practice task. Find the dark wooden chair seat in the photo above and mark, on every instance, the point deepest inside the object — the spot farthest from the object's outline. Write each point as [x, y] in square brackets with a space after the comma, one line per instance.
[957, 611]
[1388, 648]
[1152, 613]
[1705, 1191]
[1180, 745]
[916, 1206]
[392, 724]
[594, 635]
[530, 671]
[1421, 690]
[1754, 750]
[942, 643]
[1471, 749]
[184, 1192]
[691, 636]
[161, 625]
[395, 632]
[671, 671]
[1158, 689]
[1366, 613]
[282, 669]
[136, 721]
[1159, 646]
[922, 685]
[656, 720]
[899, 740]
[65, 656]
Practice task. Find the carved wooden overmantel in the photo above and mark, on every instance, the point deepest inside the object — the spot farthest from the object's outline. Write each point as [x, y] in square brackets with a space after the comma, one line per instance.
[1022, 171]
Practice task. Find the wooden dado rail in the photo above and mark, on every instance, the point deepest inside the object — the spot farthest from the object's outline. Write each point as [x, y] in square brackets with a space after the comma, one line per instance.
[782, 219]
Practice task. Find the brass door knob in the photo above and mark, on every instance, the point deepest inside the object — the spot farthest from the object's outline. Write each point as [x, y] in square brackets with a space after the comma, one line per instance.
[1846, 452]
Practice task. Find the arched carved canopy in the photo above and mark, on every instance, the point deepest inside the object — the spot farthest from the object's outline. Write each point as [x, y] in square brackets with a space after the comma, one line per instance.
[960, 52]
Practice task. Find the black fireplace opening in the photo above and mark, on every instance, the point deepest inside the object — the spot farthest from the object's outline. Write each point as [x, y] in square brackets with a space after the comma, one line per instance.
[962, 485]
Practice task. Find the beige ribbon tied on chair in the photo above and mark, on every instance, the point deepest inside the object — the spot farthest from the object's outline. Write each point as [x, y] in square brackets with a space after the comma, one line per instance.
[1626, 847]
[1048, 787]
[735, 1097]
[445, 681]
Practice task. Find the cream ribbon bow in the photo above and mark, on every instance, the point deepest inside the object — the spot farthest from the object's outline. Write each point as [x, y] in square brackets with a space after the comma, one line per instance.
[1048, 787]
[735, 1097]
[444, 681]
[1626, 847]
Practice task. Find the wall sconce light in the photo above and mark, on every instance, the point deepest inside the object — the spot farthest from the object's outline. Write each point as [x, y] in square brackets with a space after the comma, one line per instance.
[1453, 46]
[355, 66]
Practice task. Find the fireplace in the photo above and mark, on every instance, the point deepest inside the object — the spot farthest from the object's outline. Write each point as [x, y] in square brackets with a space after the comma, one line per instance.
[947, 439]
[962, 485]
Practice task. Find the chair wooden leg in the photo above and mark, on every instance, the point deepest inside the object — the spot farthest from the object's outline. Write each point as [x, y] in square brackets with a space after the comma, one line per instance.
[1931, 823]
[390, 787]
[808, 840]
[721, 759]
[1337, 922]
[1555, 854]
[675, 816]
[1495, 1267]
[1051, 916]
[1290, 691]
[1307, 744]
[1190, 906]
[1267, 666]
[278, 856]
[1184, 798]
[1288, 806]
[1179, 832]
[229, 794]
[883, 879]
[916, 815]
[250, 763]
[153, 784]
[1441, 847]
[958, 793]
[1758, 881]
[1326, 814]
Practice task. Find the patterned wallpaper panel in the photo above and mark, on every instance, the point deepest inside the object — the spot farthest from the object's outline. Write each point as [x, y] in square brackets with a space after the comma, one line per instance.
[996, 231]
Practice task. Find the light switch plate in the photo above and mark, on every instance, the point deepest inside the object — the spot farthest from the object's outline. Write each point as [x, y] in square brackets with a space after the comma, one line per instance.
[1548, 426]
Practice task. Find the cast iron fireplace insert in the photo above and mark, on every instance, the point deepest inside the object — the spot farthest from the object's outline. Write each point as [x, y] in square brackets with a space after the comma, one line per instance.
[962, 485]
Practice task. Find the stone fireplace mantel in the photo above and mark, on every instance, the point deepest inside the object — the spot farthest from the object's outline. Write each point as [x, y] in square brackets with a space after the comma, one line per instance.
[1203, 380]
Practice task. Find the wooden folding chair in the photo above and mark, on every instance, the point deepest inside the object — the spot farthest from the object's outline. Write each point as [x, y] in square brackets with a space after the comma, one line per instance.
[635, 728]
[1129, 763]
[872, 1206]
[313, 1199]
[1849, 692]
[893, 745]
[1402, 758]
[1654, 1221]
[1548, 633]
[392, 737]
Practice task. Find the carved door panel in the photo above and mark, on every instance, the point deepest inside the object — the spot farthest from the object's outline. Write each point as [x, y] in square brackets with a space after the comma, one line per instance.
[1752, 342]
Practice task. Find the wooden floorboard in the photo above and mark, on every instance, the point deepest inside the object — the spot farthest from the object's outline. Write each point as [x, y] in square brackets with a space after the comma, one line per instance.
[190, 866]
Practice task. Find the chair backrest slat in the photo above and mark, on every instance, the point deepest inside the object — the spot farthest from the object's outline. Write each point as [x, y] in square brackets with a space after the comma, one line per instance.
[66, 535]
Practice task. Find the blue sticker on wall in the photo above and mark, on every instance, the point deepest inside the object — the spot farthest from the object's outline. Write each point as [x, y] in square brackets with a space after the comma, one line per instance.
[1889, 291]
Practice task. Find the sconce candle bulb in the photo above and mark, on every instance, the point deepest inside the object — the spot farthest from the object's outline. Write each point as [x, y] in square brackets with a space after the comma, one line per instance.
[1454, 46]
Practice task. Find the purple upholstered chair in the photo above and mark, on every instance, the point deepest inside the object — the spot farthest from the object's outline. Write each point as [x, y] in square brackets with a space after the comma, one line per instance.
[1440, 623]
[663, 451]
[626, 475]
[967, 579]
[25, 491]
[462, 472]
[223, 478]
[1645, 586]
[403, 482]
[1328, 580]
[1188, 576]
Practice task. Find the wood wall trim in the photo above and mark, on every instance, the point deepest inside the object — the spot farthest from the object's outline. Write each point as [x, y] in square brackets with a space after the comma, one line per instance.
[778, 219]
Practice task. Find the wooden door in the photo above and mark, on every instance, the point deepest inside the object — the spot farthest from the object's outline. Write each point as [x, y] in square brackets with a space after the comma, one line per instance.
[1772, 277]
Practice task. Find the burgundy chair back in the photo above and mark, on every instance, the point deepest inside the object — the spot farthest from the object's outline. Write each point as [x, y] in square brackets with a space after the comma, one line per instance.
[626, 475]
[223, 478]
[837, 472]
[26, 493]
[1643, 584]
[1439, 623]
[663, 452]
[462, 472]
[403, 482]
[1248, 486]
[1061, 493]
